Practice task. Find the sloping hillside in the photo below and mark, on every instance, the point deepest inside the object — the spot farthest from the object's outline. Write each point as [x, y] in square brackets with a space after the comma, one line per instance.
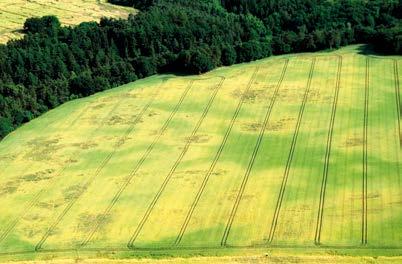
[292, 152]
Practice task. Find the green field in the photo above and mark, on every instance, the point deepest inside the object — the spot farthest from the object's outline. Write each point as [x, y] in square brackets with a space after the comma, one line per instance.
[291, 152]
[13, 13]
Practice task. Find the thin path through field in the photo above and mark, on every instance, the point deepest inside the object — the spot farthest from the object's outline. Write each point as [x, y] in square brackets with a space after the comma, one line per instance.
[342, 208]
[215, 160]
[292, 152]
[106, 160]
[174, 167]
[290, 157]
[129, 179]
[398, 100]
[36, 198]
[383, 193]
[365, 158]
[253, 157]
[317, 238]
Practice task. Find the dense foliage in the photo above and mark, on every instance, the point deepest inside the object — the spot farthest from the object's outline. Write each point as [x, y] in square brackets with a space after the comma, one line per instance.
[307, 25]
[54, 64]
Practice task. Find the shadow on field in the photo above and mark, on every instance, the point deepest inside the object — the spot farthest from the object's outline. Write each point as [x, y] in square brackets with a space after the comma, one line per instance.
[368, 49]
[178, 73]
[21, 31]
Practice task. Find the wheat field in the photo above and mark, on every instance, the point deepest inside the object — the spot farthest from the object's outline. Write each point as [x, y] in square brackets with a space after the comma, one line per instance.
[294, 152]
[13, 13]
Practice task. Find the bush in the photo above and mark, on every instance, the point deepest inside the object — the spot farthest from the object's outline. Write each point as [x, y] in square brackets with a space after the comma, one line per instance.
[48, 25]
[200, 61]
[229, 56]
[6, 126]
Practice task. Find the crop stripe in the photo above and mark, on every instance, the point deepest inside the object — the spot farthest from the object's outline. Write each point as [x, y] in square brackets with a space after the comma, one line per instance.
[317, 239]
[118, 144]
[290, 156]
[398, 100]
[173, 169]
[215, 160]
[36, 198]
[365, 158]
[253, 157]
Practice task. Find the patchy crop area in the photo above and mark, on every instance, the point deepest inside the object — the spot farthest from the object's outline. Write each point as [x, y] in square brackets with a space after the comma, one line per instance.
[13, 13]
[295, 152]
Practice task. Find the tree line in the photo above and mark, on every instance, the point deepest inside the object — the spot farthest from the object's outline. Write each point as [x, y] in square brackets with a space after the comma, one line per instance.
[53, 64]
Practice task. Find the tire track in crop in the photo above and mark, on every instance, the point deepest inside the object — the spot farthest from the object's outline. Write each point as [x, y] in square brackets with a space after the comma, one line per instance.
[117, 195]
[173, 169]
[54, 7]
[253, 157]
[398, 99]
[12, 13]
[65, 12]
[79, 7]
[25, 16]
[317, 238]
[7, 28]
[398, 109]
[22, 150]
[215, 160]
[32, 12]
[105, 161]
[365, 158]
[291, 152]
[36, 198]
[112, 249]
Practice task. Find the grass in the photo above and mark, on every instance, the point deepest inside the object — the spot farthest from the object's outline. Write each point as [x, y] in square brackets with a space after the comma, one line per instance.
[14, 13]
[297, 154]
[233, 260]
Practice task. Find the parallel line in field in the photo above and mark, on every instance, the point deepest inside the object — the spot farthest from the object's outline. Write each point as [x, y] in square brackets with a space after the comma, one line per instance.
[12, 13]
[148, 151]
[64, 122]
[86, 6]
[117, 197]
[27, 15]
[21, 151]
[79, 7]
[365, 132]
[104, 162]
[24, 16]
[215, 160]
[317, 239]
[189, 249]
[17, 23]
[253, 156]
[398, 106]
[290, 156]
[398, 99]
[174, 167]
[32, 12]
[7, 28]
[54, 7]
[62, 17]
[35, 199]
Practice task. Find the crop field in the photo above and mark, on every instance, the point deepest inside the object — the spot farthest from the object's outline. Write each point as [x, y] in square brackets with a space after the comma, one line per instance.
[297, 152]
[13, 13]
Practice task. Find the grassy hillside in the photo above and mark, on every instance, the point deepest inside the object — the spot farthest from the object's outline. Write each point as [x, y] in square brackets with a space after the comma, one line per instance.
[298, 153]
[13, 13]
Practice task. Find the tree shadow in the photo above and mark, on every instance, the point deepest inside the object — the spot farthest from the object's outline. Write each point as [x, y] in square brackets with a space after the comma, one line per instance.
[178, 73]
[20, 31]
[369, 49]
